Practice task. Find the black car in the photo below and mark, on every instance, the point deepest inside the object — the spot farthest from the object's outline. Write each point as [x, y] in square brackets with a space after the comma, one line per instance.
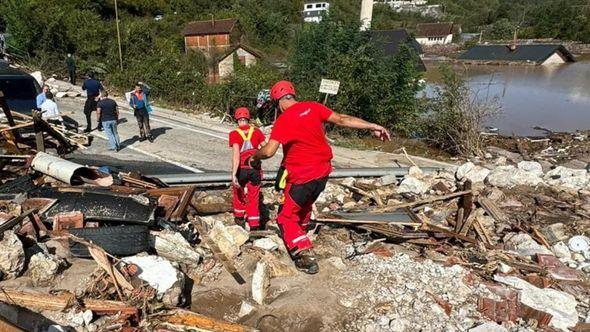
[20, 89]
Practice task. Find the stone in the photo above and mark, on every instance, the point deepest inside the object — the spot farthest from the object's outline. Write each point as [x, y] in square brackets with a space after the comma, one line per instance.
[512, 156]
[415, 171]
[245, 309]
[260, 282]
[388, 179]
[173, 246]
[559, 304]
[504, 268]
[532, 167]
[265, 244]
[348, 205]
[337, 262]
[43, 268]
[500, 161]
[159, 273]
[489, 327]
[412, 186]
[488, 155]
[524, 245]
[54, 91]
[61, 94]
[349, 181]
[12, 255]
[38, 77]
[477, 174]
[510, 176]
[73, 94]
[229, 239]
[87, 316]
[566, 177]
[554, 232]
[561, 250]
[463, 170]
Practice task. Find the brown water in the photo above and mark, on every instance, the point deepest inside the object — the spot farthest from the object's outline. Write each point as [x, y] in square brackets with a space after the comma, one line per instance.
[556, 97]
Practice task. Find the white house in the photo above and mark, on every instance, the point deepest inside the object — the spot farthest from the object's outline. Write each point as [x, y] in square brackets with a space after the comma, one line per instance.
[313, 11]
[436, 33]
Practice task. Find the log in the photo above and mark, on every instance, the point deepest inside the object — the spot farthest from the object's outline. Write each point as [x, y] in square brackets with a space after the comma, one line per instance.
[192, 320]
[422, 202]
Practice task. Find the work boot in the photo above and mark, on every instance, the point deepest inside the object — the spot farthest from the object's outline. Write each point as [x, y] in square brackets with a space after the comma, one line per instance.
[240, 221]
[305, 261]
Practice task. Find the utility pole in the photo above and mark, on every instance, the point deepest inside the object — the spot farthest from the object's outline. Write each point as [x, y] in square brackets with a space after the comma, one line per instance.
[118, 36]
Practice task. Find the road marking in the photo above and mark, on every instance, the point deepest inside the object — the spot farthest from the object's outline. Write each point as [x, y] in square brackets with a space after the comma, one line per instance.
[153, 155]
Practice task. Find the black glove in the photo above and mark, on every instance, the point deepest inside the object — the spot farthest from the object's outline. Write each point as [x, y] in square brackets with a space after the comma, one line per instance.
[256, 164]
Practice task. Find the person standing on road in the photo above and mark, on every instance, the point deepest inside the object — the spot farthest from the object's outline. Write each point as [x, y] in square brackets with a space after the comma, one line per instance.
[71, 64]
[244, 142]
[141, 110]
[42, 96]
[108, 113]
[93, 88]
[307, 159]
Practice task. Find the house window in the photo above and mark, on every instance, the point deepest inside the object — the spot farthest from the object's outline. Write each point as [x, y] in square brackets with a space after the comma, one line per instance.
[318, 5]
[309, 6]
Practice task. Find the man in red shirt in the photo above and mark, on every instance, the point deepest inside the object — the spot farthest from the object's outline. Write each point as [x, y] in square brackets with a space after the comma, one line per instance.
[244, 142]
[307, 159]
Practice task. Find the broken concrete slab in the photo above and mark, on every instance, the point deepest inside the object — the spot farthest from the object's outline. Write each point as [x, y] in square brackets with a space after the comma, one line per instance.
[561, 250]
[173, 246]
[531, 167]
[413, 186]
[559, 304]
[524, 245]
[12, 255]
[463, 170]
[260, 282]
[510, 176]
[43, 268]
[229, 239]
[489, 327]
[469, 171]
[245, 309]
[576, 179]
[162, 275]
[265, 244]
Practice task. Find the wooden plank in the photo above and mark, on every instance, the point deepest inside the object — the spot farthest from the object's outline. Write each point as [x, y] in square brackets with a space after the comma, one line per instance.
[193, 321]
[378, 222]
[453, 234]
[459, 220]
[390, 208]
[18, 126]
[466, 201]
[482, 232]
[372, 196]
[467, 225]
[492, 209]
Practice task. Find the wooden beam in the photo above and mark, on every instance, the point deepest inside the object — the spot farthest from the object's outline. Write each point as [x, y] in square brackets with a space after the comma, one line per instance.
[194, 321]
[390, 208]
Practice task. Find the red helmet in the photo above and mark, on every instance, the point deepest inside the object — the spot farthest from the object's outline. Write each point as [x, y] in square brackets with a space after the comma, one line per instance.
[281, 89]
[242, 113]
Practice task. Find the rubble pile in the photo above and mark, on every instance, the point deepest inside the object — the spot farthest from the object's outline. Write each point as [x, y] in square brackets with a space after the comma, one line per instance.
[500, 245]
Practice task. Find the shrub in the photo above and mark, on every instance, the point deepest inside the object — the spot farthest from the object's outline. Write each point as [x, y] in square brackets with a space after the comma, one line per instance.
[456, 116]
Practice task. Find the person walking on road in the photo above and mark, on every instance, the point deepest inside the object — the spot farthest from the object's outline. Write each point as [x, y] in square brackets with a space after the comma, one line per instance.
[42, 96]
[244, 142]
[71, 64]
[307, 159]
[108, 113]
[93, 88]
[141, 110]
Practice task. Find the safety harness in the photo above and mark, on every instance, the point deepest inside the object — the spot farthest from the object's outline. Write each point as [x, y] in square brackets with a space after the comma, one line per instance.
[247, 139]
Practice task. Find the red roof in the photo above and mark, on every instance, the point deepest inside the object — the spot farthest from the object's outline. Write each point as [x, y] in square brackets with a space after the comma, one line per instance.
[210, 27]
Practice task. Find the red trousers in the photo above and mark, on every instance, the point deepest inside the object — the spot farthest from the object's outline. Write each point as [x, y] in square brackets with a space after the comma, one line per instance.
[295, 213]
[246, 197]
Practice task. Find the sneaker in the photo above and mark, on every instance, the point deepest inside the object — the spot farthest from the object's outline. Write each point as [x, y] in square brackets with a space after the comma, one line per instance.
[151, 139]
[305, 261]
[141, 139]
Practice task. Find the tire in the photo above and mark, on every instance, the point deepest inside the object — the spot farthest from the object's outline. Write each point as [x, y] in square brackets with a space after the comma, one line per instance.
[118, 240]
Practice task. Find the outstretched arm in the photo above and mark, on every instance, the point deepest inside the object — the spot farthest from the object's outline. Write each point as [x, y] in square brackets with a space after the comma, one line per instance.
[235, 164]
[350, 121]
[267, 151]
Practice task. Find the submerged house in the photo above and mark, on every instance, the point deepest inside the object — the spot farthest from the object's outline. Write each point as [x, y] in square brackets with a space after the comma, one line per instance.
[537, 54]
[436, 33]
[392, 39]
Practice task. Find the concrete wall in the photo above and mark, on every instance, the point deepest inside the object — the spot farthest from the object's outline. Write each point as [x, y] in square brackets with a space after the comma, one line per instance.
[227, 66]
[435, 40]
[556, 58]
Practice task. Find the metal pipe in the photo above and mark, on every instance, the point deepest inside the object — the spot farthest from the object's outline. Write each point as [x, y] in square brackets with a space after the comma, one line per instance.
[225, 177]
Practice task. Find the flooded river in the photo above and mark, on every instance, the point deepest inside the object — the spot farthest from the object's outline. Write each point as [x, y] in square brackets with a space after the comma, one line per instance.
[556, 97]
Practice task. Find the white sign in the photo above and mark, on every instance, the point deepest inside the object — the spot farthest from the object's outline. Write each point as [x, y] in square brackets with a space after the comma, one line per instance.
[329, 86]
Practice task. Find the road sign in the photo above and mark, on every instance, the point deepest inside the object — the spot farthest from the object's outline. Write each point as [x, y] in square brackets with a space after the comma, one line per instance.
[329, 86]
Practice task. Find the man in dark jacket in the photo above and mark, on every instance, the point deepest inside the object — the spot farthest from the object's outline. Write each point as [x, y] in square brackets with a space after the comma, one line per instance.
[93, 88]
[71, 64]
[140, 104]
